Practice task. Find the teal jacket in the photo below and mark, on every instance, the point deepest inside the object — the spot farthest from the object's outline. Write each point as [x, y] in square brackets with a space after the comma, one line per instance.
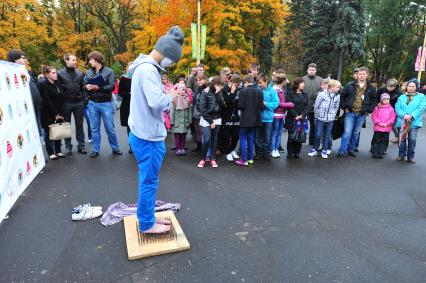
[415, 108]
[271, 99]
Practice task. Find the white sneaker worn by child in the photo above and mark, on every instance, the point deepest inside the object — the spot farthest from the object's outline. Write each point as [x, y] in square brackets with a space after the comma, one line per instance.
[234, 155]
[313, 152]
[229, 157]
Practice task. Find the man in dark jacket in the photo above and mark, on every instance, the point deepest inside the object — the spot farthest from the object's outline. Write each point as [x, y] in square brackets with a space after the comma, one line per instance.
[99, 83]
[357, 100]
[18, 56]
[312, 86]
[71, 80]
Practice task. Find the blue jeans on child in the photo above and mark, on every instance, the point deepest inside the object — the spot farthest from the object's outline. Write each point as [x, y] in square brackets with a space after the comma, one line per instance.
[323, 131]
[247, 142]
[104, 110]
[263, 138]
[411, 140]
[277, 131]
[353, 123]
[149, 155]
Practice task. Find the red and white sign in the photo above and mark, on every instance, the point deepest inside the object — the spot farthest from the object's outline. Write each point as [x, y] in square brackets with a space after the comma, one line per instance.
[418, 60]
[9, 149]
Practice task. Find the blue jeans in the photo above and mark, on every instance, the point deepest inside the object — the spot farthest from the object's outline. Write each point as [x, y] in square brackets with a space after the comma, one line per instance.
[323, 131]
[247, 143]
[411, 140]
[277, 131]
[353, 123]
[263, 138]
[149, 156]
[104, 110]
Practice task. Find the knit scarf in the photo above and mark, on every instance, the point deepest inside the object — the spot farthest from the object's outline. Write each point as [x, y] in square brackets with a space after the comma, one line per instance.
[410, 97]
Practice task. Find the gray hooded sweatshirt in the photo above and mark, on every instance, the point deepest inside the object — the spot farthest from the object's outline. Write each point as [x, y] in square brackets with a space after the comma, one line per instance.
[148, 100]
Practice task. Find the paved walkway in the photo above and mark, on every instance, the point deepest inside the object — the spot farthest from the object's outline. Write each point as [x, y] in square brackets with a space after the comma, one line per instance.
[307, 220]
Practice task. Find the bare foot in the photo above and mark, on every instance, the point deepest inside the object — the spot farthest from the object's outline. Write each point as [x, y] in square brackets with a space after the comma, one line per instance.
[157, 229]
[163, 221]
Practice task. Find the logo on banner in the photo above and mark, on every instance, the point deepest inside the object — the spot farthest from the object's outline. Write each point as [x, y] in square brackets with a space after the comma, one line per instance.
[20, 141]
[18, 109]
[35, 160]
[28, 168]
[8, 83]
[10, 111]
[10, 187]
[1, 116]
[24, 79]
[15, 79]
[26, 107]
[20, 177]
[9, 149]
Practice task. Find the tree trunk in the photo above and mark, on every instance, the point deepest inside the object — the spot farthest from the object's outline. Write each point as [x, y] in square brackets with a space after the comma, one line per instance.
[340, 71]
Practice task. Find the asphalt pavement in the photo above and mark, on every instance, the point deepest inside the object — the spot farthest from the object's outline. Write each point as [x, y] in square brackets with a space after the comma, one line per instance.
[309, 220]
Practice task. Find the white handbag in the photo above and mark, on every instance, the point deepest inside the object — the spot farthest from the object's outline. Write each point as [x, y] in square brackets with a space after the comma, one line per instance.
[60, 131]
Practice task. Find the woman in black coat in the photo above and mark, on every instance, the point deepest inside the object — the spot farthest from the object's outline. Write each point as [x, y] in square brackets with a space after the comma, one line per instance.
[298, 113]
[53, 109]
[124, 87]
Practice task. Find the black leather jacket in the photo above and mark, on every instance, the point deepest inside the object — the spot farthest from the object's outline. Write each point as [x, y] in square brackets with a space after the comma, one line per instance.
[104, 94]
[71, 81]
[209, 105]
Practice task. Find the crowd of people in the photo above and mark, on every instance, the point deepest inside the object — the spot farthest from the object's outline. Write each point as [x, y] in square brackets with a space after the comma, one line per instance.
[240, 116]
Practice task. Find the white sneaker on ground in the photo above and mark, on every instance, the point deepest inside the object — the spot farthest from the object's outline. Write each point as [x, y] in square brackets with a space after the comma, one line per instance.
[89, 140]
[313, 152]
[324, 154]
[86, 211]
[328, 151]
[229, 157]
[277, 153]
[234, 155]
[53, 157]
[86, 214]
[86, 206]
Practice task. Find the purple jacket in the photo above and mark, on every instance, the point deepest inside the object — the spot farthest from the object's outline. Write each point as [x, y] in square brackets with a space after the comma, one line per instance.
[281, 110]
[383, 114]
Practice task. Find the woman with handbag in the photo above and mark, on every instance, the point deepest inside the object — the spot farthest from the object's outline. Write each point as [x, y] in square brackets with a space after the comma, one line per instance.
[296, 122]
[53, 109]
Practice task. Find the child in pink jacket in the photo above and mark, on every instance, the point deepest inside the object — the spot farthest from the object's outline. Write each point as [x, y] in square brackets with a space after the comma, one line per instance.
[383, 119]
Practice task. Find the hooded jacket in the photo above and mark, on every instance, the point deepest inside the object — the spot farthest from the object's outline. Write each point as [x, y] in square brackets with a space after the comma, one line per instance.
[148, 100]
[270, 97]
[383, 114]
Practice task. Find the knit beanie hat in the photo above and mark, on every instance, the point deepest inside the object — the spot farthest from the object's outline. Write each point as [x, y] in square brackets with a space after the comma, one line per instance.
[384, 96]
[14, 54]
[416, 82]
[170, 44]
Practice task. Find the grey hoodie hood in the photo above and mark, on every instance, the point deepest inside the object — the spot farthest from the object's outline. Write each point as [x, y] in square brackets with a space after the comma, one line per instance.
[142, 58]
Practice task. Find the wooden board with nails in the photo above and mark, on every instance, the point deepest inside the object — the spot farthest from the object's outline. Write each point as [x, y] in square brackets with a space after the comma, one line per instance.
[147, 245]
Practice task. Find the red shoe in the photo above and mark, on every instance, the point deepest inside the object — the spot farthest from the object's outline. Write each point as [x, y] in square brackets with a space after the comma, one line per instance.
[201, 163]
[214, 164]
